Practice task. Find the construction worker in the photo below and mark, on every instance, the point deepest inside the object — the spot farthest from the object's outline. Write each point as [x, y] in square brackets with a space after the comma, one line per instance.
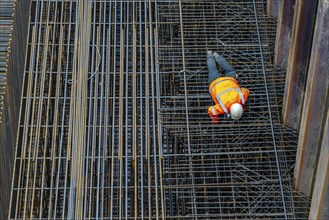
[228, 96]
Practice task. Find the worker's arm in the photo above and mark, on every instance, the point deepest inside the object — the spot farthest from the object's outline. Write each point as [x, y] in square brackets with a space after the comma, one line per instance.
[215, 110]
[245, 93]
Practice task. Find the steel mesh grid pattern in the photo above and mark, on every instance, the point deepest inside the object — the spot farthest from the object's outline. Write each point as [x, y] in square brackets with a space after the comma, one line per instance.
[111, 127]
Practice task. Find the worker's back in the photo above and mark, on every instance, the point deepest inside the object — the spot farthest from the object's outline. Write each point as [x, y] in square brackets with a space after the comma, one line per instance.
[226, 91]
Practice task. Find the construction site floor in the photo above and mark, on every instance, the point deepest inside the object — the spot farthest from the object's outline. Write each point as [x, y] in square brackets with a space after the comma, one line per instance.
[114, 122]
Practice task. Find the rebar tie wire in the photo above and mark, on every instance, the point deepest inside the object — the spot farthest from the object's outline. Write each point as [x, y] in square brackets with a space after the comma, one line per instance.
[70, 81]
[191, 73]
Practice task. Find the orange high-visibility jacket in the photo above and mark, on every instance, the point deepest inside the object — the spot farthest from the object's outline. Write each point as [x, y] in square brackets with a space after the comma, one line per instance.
[225, 91]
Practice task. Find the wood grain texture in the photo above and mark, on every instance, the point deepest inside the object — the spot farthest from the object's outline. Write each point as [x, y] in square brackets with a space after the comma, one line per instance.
[284, 31]
[298, 61]
[315, 108]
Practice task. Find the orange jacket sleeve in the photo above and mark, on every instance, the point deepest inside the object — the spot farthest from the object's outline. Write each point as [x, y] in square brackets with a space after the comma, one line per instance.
[215, 110]
[245, 93]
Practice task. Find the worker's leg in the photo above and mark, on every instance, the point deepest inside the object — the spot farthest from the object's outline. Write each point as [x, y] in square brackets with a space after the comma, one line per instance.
[212, 68]
[227, 68]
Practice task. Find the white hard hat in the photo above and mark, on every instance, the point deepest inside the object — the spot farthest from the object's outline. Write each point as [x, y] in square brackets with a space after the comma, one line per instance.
[236, 110]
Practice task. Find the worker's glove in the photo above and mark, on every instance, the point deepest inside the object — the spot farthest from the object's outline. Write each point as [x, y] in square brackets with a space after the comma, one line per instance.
[215, 120]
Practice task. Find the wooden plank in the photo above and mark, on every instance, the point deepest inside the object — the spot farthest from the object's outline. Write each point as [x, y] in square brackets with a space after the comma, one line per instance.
[283, 35]
[320, 202]
[299, 54]
[315, 106]
[273, 7]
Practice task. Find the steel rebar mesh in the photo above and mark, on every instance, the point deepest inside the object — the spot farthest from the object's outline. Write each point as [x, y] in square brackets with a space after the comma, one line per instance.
[114, 124]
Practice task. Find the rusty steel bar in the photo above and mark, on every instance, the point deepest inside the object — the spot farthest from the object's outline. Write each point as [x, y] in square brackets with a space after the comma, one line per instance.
[114, 121]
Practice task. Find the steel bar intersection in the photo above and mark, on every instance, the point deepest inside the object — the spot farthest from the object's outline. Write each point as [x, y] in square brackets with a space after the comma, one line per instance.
[113, 118]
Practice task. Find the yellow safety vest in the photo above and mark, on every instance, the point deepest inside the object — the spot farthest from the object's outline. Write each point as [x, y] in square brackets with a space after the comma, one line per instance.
[225, 91]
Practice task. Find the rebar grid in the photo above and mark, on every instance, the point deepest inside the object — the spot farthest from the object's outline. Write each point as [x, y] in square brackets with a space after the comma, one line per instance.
[7, 8]
[113, 120]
